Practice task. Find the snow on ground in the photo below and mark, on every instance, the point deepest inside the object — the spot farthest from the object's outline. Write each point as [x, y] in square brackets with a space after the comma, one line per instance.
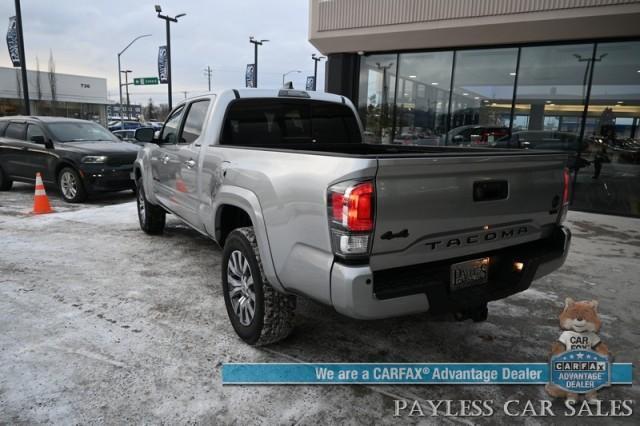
[102, 323]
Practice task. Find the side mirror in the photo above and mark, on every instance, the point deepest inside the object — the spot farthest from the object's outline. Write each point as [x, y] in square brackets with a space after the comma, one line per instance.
[42, 141]
[145, 134]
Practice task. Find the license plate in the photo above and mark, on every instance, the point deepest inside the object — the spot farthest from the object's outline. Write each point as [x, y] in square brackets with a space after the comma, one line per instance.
[469, 274]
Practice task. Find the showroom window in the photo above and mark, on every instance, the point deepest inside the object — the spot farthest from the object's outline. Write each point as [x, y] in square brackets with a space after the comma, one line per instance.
[481, 97]
[422, 101]
[377, 95]
[609, 180]
[551, 91]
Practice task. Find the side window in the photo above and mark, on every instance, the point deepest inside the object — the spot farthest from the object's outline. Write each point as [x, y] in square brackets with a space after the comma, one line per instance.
[3, 126]
[194, 122]
[15, 131]
[34, 130]
[172, 127]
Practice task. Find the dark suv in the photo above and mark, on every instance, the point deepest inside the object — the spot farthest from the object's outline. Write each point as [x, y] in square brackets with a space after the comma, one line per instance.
[78, 156]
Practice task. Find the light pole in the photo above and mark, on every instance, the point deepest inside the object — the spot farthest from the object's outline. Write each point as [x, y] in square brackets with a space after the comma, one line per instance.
[316, 59]
[23, 60]
[287, 73]
[168, 20]
[256, 43]
[120, 74]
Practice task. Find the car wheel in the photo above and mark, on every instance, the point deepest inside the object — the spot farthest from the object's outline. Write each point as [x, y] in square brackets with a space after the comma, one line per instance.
[259, 314]
[5, 182]
[71, 186]
[152, 218]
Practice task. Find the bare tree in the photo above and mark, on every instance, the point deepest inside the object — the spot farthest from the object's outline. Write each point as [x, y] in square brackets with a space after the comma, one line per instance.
[150, 111]
[52, 81]
[38, 80]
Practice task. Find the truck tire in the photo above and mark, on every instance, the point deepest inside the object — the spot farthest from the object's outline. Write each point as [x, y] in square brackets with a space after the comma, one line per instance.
[5, 182]
[259, 314]
[71, 186]
[151, 217]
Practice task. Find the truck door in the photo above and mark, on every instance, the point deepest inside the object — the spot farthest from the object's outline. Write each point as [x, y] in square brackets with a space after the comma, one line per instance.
[164, 159]
[185, 190]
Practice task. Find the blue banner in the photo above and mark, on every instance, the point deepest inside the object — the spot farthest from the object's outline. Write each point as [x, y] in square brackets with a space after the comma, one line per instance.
[311, 82]
[12, 42]
[415, 374]
[163, 70]
[249, 76]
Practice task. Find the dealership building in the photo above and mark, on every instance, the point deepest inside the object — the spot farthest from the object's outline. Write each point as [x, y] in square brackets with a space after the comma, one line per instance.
[76, 96]
[561, 74]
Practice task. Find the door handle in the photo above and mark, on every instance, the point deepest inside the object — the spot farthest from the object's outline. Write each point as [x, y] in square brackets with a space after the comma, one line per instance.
[190, 164]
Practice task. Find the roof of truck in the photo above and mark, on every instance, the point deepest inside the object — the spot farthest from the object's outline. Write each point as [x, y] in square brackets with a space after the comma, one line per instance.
[276, 93]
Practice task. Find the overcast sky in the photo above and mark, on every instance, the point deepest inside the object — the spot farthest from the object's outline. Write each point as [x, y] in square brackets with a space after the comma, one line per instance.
[85, 37]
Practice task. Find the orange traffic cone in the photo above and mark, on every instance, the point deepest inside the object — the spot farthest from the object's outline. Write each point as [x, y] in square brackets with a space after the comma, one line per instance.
[40, 201]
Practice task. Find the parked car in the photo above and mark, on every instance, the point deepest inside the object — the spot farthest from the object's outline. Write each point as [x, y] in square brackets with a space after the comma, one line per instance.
[129, 135]
[128, 124]
[125, 135]
[282, 181]
[476, 135]
[79, 156]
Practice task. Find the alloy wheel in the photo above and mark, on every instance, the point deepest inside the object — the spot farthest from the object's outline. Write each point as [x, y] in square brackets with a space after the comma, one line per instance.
[241, 288]
[68, 185]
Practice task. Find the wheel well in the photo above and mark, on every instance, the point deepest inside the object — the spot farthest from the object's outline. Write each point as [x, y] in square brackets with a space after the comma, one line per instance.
[62, 166]
[229, 218]
[138, 173]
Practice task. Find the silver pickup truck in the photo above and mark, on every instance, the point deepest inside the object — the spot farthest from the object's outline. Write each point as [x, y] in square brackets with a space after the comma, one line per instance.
[302, 207]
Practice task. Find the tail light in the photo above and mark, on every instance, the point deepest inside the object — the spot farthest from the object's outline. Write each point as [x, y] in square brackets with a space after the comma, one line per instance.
[566, 178]
[351, 217]
[566, 183]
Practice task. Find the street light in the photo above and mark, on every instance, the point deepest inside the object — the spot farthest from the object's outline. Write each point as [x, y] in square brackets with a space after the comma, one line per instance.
[287, 73]
[168, 20]
[120, 74]
[256, 43]
[316, 59]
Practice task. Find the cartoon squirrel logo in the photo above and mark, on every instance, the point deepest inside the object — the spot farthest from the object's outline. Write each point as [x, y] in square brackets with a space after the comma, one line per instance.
[581, 324]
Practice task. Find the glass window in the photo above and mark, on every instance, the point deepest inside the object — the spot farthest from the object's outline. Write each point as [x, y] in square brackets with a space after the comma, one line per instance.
[195, 121]
[422, 101]
[15, 131]
[333, 123]
[552, 88]
[172, 127]
[268, 122]
[34, 130]
[609, 180]
[377, 94]
[482, 94]
[3, 126]
[79, 131]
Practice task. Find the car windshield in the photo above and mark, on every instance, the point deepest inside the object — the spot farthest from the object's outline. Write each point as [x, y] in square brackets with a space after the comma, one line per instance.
[80, 131]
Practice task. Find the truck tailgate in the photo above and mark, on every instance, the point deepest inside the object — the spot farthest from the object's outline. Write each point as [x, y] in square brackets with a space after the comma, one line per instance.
[444, 207]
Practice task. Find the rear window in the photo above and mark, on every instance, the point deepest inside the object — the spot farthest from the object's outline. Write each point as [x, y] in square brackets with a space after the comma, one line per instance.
[254, 122]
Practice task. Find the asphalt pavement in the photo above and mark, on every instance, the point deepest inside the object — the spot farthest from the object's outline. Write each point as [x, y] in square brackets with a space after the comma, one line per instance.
[104, 324]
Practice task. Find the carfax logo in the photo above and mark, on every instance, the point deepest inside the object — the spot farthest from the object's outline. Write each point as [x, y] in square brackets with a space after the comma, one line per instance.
[580, 371]
[579, 359]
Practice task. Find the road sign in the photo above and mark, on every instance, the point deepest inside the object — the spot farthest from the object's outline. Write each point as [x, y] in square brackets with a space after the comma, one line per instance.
[141, 81]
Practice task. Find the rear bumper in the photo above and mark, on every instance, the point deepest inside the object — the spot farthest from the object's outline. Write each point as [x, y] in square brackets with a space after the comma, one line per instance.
[105, 178]
[358, 292]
